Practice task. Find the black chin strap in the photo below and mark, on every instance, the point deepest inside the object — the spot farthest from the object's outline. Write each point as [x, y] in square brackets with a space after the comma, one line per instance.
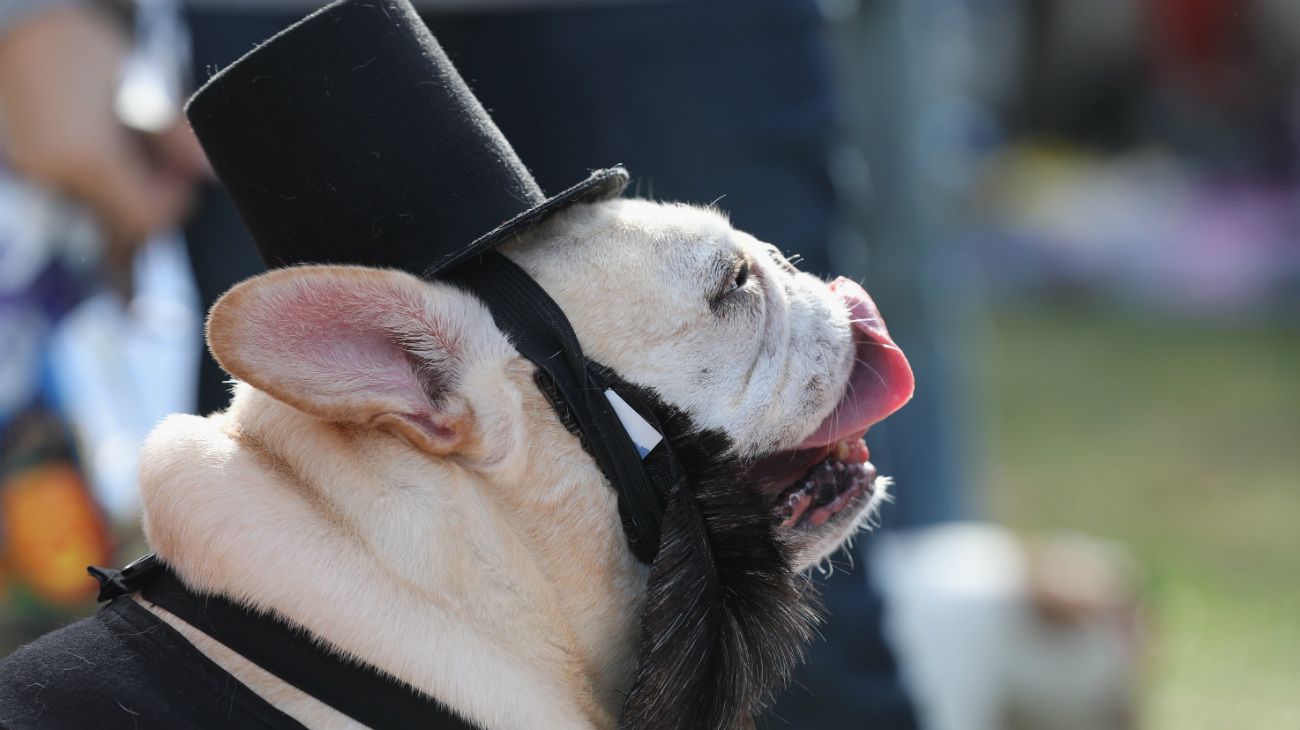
[538, 328]
[357, 690]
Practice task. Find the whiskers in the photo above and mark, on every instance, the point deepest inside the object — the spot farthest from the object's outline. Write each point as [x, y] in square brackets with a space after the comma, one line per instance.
[869, 520]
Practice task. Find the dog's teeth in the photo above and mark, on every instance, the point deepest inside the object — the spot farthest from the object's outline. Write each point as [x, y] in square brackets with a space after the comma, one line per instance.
[795, 506]
[827, 487]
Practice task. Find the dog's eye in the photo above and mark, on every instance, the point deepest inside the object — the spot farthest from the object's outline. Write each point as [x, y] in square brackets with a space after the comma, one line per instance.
[741, 276]
[737, 275]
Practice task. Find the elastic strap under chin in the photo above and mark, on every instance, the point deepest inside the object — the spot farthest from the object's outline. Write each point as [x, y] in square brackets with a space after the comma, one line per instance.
[541, 333]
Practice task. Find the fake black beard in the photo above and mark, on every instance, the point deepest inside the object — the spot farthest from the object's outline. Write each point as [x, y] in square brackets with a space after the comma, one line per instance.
[727, 618]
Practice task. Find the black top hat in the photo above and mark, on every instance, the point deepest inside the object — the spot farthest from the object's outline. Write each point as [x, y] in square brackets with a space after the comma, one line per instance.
[351, 138]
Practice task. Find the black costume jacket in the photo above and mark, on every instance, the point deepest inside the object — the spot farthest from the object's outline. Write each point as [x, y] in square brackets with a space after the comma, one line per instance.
[125, 668]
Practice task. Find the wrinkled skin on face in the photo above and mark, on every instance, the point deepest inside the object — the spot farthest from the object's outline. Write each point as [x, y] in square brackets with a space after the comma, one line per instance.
[722, 326]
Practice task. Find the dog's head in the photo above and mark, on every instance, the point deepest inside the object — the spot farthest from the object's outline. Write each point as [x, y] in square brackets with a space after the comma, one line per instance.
[722, 326]
[779, 372]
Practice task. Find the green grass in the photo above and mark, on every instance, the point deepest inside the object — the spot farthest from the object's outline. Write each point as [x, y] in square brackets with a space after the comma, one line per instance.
[1181, 441]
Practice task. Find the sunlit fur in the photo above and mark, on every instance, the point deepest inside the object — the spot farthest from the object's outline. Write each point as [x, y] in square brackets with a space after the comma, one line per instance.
[389, 478]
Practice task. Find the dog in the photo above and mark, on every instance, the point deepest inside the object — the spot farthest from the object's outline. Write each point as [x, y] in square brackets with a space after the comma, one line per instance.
[390, 478]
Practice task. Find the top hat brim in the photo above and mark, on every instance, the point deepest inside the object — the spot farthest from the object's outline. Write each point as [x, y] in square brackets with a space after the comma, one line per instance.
[600, 185]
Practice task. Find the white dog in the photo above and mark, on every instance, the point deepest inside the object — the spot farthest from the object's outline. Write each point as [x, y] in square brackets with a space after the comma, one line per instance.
[390, 478]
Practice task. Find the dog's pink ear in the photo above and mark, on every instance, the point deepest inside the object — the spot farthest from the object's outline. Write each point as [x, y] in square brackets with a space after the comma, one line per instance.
[350, 345]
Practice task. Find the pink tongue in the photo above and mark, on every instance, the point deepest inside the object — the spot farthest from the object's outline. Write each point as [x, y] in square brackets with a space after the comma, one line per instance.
[881, 381]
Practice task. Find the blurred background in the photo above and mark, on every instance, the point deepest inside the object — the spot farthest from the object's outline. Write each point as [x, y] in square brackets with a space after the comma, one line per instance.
[1114, 187]
[1081, 220]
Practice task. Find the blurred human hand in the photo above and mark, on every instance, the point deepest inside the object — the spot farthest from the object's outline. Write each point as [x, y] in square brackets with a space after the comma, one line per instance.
[59, 71]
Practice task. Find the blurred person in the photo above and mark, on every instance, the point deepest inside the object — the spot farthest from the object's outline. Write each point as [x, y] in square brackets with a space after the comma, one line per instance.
[60, 69]
[907, 142]
[95, 323]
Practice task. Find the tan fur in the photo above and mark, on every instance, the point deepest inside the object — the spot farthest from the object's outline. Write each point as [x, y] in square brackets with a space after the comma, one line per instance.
[450, 531]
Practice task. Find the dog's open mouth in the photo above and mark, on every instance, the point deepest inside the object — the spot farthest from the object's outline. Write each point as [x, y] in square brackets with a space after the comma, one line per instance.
[829, 473]
[813, 485]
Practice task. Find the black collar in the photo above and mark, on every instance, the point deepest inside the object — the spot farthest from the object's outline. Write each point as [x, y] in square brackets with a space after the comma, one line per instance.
[357, 690]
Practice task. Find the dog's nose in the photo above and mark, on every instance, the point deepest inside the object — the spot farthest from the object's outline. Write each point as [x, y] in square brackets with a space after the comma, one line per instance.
[881, 380]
